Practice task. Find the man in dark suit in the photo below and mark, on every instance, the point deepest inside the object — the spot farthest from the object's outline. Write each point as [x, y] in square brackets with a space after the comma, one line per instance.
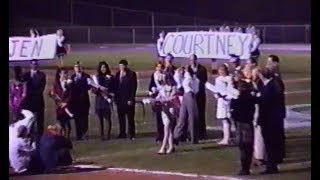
[201, 73]
[125, 93]
[79, 100]
[271, 120]
[36, 82]
[273, 64]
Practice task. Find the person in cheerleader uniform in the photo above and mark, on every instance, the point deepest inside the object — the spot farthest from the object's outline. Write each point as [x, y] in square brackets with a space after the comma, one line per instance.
[169, 107]
[223, 81]
[256, 41]
[155, 84]
[61, 50]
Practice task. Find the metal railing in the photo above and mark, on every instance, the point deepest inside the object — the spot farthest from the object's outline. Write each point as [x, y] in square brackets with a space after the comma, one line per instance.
[149, 34]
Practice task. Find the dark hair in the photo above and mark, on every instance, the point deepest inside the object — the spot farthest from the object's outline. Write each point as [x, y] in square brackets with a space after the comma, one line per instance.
[35, 31]
[190, 71]
[194, 56]
[59, 70]
[243, 87]
[274, 58]
[101, 63]
[123, 62]
[18, 73]
[159, 63]
[267, 73]
[253, 61]
[225, 67]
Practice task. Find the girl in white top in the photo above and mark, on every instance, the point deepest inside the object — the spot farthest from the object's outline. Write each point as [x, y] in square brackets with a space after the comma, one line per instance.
[61, 50]
[170, 105]
[223, 82]
[160, 41]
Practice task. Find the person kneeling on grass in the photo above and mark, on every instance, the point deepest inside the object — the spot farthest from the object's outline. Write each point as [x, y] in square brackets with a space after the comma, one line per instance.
[20, 150]
[169, 103]
[54, 148]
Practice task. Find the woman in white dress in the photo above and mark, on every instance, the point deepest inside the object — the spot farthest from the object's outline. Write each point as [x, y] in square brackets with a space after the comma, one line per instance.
[223, 82]
[259, 148]
[170, 105]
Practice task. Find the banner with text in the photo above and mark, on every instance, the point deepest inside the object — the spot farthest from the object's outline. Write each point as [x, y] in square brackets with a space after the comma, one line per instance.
[27, 48]
[217, 45]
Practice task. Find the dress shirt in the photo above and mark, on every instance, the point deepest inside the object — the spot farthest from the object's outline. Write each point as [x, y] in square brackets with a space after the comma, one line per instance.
[190, 84]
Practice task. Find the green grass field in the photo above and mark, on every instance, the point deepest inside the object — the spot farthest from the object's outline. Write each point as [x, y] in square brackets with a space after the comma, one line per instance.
[208, 158]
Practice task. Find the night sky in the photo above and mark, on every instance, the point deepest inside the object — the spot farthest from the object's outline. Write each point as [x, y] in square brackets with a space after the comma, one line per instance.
[242, 11]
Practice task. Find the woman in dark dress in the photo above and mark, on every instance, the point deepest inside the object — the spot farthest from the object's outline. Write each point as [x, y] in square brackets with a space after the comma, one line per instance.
[61, 92]
[104, 93]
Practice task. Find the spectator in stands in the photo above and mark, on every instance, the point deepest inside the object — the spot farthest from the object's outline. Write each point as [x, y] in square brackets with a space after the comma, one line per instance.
[61, 49]
[125, 93]
[34, 101]
[54, 148]
[155, 84]
[79, 100]
[104, 95]
[17, 92]
[61, 93]
[34, 33]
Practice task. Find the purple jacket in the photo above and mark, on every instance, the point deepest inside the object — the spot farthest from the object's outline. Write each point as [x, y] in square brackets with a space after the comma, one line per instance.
[17, 93]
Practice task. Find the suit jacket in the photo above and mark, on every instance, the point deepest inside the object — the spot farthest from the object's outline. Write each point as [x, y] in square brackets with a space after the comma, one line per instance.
[35, 88]
[281, 89]
[125, 89]
[79, 91]
[270, 105]
[201, 74]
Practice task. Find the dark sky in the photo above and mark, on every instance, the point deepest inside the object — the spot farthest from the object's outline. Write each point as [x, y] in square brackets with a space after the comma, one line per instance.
[242, 11]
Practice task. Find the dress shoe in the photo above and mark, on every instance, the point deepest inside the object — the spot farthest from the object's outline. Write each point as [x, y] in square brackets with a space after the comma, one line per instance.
[243, 173]
[270, 171]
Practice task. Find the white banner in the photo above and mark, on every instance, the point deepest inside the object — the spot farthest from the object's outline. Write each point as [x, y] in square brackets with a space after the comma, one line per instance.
[217, 45]
[27, 48]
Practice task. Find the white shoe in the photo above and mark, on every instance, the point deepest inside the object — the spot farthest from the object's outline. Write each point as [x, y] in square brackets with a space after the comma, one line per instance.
[223, 142]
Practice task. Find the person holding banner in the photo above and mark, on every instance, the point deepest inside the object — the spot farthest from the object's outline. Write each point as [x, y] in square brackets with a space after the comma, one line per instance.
[201, 73]
[256, 41]
[223, 82]
[160, 41]
[155, 84]
[125, 93]
[61, 93]
[34, 101]
[34, 33]
[61, 50]
[79, 100]
[188, 108]
[104, 93]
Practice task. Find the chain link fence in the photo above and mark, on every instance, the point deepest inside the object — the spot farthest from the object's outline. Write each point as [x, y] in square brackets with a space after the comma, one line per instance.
[146, 34]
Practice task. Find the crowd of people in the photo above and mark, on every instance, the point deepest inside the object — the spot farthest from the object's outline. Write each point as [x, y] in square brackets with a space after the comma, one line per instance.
[248, 96]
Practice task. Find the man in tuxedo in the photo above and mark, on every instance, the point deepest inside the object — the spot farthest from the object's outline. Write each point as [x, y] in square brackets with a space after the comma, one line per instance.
[201, 73]
[79, 100]
[36, 82]
[271, 120]
[125, 93]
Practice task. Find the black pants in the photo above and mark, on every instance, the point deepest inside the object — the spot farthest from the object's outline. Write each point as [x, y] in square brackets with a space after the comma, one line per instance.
[126, 112]
[104, 114]
[39, 117]
[81, 120]
[64, 121]
[274, 144]
[156, 109]
[201, 103]
[245, 137]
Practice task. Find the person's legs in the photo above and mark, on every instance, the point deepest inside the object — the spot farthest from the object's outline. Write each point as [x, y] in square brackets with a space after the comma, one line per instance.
[178, 130]
[166, 121]
[157, 117]
[122, 121]
[259, 148]
[131, 122]
[192, 118]
[100, 114]
[269, 140]
[226, 132]
[85, 122]
[201, 104]
[108, 118]
[40, 120]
